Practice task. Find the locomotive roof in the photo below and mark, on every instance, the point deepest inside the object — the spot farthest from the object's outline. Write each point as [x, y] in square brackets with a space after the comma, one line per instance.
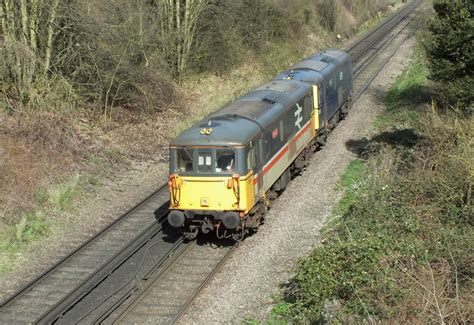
[301, 74]
[330, 56]
[227, 130]
[242, 120]
[314, 68]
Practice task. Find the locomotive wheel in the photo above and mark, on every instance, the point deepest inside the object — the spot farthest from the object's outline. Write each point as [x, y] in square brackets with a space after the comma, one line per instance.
[192, 233]
[238, 235]
[321, 140]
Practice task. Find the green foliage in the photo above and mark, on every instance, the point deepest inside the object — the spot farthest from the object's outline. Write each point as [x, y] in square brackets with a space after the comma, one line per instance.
[404, 225]
[350, 181]
[31, 226]
[41, 196]
[34, 224]
[450, 50]
[352, 173]
[62, 195]
[344, 271]
[250, 321]
[281, 310]
[410, 88]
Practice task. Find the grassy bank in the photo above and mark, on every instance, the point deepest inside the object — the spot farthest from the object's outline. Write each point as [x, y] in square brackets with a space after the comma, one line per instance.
[399, 246]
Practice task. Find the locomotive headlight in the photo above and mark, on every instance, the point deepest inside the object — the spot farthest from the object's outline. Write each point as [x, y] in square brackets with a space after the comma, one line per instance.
[204, 202]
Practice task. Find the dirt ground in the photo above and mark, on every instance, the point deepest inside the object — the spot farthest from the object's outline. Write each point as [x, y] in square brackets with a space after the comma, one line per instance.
[246, 285]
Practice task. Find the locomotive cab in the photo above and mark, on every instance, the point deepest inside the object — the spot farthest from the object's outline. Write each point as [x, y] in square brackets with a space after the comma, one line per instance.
[211, 188]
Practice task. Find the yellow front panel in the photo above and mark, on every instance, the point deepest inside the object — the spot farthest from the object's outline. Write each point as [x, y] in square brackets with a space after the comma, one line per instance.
[213, 194]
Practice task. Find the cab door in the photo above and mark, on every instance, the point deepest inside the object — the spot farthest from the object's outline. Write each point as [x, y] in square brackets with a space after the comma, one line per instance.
[317, 107]
[259, 162]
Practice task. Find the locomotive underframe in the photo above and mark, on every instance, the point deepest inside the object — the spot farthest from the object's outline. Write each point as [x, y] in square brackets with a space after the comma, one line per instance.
[215, 221]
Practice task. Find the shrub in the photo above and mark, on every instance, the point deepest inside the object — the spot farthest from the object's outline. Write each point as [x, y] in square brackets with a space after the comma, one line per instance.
[450, 51]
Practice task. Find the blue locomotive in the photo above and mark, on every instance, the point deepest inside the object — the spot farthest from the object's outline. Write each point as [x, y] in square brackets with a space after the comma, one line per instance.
[226, 169]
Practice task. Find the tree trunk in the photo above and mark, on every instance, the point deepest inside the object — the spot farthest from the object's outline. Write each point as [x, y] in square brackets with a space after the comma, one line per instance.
[24, 21]
[34, 5]
[2, 19]
[50, 38]
[10, 19]
[178, 23]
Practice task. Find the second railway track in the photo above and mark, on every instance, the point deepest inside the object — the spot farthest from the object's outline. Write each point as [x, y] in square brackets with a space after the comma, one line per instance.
[30, 302]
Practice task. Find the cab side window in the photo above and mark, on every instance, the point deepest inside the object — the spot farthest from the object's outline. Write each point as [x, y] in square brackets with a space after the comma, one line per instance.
[185, 160]
[225, 161]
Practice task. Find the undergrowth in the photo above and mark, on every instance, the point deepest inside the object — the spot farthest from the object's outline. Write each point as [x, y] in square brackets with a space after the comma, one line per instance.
[399, 246]
[34, 225]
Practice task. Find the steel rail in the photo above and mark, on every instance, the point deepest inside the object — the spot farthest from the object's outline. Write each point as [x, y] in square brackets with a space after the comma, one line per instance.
[195, 294]
[164, 277]
[139, 297]
[363, 64]
[84, 245]
[104, 272]
[387, 24]
[416, 26]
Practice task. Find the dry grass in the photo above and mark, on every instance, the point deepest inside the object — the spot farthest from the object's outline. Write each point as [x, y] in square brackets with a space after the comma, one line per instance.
[24, 168]
[436, 296]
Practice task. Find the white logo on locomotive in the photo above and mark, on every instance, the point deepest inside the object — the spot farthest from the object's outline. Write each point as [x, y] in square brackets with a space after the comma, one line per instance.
[298, 116]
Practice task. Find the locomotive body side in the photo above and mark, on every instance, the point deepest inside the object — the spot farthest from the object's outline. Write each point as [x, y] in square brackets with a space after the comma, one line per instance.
[330, 74]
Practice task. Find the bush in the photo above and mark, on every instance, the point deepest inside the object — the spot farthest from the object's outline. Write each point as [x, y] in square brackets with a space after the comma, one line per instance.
[450, 51]
[231, 32]
[121, 65]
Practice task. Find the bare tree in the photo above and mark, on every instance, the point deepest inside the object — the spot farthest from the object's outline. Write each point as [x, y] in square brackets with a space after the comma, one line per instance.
[178, 20]
[28, 28]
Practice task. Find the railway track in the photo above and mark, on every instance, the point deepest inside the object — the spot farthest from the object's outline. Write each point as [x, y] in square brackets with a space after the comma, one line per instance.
[31, 301]
[360, 47]
[156, 275]
[144, 281]
[111, 286]
[368, 66]
[166, 301]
